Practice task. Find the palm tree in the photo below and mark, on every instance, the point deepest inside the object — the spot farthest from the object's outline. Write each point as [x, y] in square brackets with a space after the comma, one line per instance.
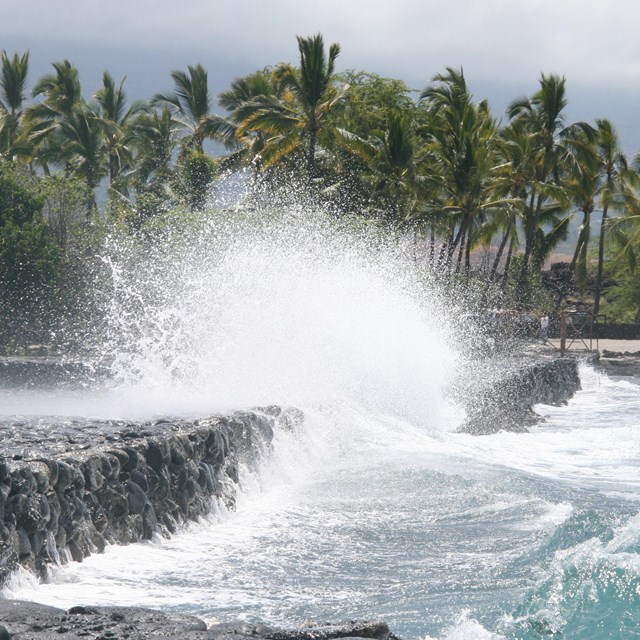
[191, 106]
[245, 89]
[66, 130]
[297, 118]
[512, 168]
[616, 176]
[390, 165]
[62, 92]
[246, 146]
[153, 137]
[13, 79]
[62, 96]
[460, 144]
[115, 117]
[582, 187]
[82, 146]
[542, 118]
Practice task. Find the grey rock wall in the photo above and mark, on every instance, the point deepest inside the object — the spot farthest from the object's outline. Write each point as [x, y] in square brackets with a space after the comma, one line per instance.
[69, 488]
[503, 397]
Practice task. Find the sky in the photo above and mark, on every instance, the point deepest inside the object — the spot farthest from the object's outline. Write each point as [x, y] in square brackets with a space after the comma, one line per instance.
[502, 45]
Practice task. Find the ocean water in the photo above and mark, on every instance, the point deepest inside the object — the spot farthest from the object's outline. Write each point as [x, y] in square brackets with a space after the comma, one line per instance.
[374, 507]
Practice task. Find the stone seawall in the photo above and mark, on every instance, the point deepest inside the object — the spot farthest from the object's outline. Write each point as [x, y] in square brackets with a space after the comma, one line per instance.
[502, 398]
[69, 487]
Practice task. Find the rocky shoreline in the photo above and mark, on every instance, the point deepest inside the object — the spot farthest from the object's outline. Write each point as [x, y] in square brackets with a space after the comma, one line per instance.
[30, 621]
[615, 363]
[503, 397]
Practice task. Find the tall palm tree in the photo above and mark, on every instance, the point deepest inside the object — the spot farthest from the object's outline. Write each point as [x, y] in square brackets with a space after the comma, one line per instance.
[62, 95]
[65, 129]
[62, 91]
[115, 117]
[191, 106]
[616, 177]
[512, 169]
[13, 80]
[297, 118]
[246, 146]
[153, 137]
[542, 118]
[582, 188]
[460, 145]
[390, 165]
[246, 88]
[82, 146]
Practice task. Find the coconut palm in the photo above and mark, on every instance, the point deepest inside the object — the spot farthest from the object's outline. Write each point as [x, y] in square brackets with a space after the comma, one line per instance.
[246, 146]
[115, 116]
[82, 146]
[513, 153]
[62, 95]
[245, 89]
[582, 186]
[190, 103]
[390, 165]
[154, 137]
[13, 79]
[297, 118]
[616, 176]
[542, 118]
[459, 143]
[62, 92]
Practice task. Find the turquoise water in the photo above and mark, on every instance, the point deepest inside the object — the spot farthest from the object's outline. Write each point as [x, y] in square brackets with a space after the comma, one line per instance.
[443, 535]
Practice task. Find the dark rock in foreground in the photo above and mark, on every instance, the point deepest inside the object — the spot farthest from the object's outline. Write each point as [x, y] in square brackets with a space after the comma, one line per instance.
[26, 620]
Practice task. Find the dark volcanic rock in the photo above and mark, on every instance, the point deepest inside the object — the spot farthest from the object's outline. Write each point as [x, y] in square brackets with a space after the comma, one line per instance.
[24, 620]
[27, 620]
[504, 396]
[73, 485]
[620, 364]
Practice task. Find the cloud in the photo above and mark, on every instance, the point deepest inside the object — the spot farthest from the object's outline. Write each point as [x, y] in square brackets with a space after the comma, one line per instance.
[587, 41]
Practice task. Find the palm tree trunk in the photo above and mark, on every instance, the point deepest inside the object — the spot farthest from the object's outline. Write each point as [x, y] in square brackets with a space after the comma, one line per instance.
[467, 255]
[432, 245]
[444, 259]
[507, 264]
[311, 156]
[603, 228]
[463, 228]
[581, 241]
[503, 244]
[532, 223]
[454, 243]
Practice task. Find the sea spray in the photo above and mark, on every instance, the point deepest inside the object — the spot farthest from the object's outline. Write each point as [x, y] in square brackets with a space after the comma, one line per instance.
[374, 507]
[241, 308]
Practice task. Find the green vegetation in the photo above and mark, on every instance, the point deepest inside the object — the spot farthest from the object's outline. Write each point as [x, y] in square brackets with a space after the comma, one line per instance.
[483, 202]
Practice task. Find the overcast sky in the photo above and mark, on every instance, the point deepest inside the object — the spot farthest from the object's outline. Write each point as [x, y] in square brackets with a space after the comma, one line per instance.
[503, 45]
